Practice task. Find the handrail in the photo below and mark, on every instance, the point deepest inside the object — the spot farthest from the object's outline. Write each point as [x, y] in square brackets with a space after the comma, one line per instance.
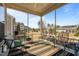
[1, 43]
[7, 42]
[65, 43]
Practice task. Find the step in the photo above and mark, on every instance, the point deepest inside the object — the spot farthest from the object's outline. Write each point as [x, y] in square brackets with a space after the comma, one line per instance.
[44, 51]
[58, 53]
[15, 53]
[36, 47]
[35, 44]
[11, 51]
[50, 52]
[35, 52]
[64, 53]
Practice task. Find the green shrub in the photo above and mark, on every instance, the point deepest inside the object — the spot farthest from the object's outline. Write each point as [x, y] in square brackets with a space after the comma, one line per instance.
[77, 34]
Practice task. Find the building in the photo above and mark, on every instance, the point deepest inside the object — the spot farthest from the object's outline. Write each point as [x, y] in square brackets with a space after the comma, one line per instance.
[20, 27]
[27, 28]
[1, 30]
[71, 29]
[9, 27]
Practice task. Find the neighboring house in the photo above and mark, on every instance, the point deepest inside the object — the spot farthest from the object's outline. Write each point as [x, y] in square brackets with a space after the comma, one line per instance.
[20, 28]
[27, 28]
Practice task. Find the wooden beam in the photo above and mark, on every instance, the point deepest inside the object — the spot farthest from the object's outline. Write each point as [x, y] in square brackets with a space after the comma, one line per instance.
[45, 11]
[20, 8]
[52, 8]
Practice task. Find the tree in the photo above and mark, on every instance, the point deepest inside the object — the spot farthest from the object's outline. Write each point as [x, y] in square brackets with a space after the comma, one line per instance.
[33, 30]
[77, 33]
[57, 26]
[78, 28]
[18, 27]
[52, 25]
[48, 25]
[43, 26]
[50, 30]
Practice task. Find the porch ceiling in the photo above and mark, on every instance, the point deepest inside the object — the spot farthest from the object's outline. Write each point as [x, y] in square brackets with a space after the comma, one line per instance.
[39, 9]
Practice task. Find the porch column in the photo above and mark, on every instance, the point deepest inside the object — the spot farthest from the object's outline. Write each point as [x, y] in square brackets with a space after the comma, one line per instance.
[28, 24]
[55, 28]
[55, 23]
[41, 27]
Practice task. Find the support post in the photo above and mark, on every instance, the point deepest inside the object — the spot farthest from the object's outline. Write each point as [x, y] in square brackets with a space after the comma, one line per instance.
[28, 24]
[55, 22]
[41, 26]
[55, 29]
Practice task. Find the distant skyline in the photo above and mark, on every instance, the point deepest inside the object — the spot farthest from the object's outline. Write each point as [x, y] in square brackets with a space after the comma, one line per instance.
[66, 15]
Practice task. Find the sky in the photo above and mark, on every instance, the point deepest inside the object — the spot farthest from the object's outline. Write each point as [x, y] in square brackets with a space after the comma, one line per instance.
[1, 14]
[66, 15]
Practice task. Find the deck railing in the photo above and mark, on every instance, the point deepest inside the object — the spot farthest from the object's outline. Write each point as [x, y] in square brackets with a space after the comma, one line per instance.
[65, 42]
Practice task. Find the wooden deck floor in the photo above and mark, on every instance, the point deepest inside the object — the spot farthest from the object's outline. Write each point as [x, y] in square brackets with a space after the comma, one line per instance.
[43, 50]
